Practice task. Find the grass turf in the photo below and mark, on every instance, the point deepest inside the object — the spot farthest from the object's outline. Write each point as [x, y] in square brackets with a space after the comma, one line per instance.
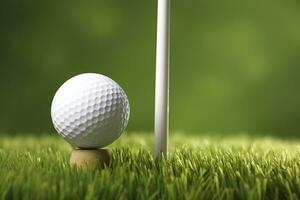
[198, 167]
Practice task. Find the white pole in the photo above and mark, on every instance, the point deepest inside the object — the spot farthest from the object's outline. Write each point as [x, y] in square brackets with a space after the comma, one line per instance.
[162, 79]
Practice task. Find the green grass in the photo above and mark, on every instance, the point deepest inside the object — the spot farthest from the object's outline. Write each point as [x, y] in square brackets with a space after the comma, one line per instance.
[198, 167]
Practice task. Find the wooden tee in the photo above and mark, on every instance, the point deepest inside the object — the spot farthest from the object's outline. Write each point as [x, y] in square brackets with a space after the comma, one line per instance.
[90, 158]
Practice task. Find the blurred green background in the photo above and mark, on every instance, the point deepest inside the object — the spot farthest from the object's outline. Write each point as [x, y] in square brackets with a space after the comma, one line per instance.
[235, 65]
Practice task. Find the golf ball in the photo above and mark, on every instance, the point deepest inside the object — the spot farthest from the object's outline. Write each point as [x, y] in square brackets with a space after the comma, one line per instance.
[90, 111]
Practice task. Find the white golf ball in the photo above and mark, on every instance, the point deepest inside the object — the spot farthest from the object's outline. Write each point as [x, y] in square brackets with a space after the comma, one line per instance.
[90, 111]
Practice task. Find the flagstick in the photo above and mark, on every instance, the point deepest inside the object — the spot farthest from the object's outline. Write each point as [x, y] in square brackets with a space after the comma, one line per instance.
[162, 79]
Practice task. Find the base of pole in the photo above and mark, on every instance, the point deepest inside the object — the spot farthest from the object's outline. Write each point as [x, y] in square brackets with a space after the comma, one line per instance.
[90, 158]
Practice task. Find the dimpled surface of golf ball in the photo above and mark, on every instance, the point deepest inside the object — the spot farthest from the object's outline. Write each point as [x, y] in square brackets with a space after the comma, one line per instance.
[90, 111]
